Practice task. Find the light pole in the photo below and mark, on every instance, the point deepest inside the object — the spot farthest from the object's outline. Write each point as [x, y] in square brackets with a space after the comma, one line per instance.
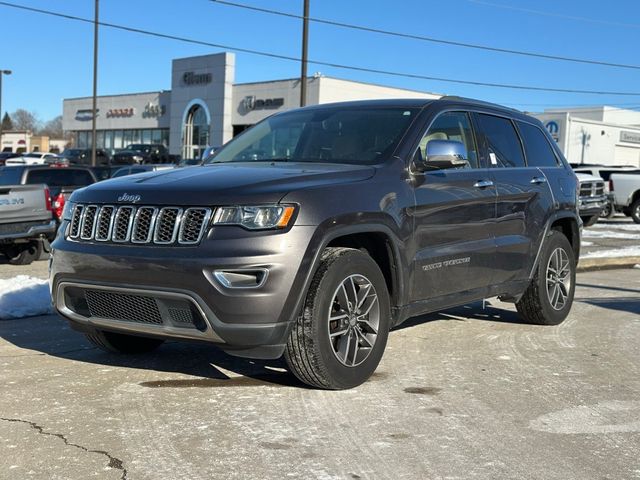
[95, 86]
[305, 41]
[2, 72]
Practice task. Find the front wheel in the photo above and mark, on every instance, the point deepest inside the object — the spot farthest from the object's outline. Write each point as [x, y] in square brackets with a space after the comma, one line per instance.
[635, 211]
[341, 333]
[548, 298]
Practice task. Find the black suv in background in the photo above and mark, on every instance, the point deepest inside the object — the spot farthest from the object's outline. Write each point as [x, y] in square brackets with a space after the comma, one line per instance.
[142, 153]
[82, 156]
[315, 232]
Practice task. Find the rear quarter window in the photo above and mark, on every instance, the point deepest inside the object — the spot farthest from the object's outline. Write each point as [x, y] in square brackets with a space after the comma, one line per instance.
[536, 147]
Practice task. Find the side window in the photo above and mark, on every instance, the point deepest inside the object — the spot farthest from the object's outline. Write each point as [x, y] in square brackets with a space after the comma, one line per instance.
[453, 126]
[501, 140]
[536, 147]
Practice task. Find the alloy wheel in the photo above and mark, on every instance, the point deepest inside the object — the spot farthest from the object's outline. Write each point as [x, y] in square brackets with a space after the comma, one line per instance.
[353, 320]
[558, 278]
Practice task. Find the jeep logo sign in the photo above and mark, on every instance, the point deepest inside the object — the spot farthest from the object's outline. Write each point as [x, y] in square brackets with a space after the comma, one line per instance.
[250, 103]
[191, 78]
[129, 198]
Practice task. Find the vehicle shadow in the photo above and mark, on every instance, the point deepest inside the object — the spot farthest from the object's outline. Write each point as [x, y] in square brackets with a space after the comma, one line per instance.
[623, 304]
[50, 335]
[472, 311]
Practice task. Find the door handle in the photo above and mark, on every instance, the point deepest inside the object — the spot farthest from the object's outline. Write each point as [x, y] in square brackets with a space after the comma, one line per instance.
[483, 184]
[538, 180]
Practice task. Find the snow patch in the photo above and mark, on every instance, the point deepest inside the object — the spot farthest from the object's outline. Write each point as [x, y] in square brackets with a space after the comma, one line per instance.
[24, 296]
[630, 227]
[614, 253]
[610, 234]
[586, 244]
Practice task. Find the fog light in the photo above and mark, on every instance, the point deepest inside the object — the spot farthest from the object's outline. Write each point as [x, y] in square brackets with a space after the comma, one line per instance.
[250, 278]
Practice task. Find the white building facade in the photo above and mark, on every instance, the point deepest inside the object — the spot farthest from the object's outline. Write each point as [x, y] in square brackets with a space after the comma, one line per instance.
[204, 107]
[601, 135]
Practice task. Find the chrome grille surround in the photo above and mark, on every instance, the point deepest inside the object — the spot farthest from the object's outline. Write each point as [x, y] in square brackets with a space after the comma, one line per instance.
[143, 225]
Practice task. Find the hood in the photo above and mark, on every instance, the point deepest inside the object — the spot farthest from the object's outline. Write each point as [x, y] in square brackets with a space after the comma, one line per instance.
[585, 177]
[222, 184]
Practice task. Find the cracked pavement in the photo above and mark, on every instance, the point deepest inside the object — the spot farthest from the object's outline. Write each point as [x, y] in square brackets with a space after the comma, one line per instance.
[465, 393]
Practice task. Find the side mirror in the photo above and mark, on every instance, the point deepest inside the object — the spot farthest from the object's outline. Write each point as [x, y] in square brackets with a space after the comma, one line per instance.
[442, 154]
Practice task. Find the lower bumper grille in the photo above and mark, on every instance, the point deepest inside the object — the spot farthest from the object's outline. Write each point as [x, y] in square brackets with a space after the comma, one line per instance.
[154, 310]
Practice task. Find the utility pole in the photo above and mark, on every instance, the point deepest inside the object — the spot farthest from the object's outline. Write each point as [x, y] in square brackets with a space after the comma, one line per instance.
[305, 41]
[95, 86]
[2, 72]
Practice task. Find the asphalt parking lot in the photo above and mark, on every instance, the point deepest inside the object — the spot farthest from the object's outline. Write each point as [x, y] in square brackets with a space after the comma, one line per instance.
[467, 393]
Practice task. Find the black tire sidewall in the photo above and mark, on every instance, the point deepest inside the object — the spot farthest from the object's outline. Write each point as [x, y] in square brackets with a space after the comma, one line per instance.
[635, 211]
[353, 262]
[553, 316]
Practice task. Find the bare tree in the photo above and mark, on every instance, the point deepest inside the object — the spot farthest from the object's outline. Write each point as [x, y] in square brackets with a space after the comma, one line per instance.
[25, 120]
[53, 128]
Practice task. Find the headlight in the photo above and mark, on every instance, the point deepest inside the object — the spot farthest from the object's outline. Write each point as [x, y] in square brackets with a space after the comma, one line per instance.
[255, 218]
[67, 210]
[137, 158]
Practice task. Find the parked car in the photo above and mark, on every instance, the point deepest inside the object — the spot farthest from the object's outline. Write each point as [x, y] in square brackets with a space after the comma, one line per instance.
[593, 198]
[4, 156]
[142, 153]
[133, 169]
[61, 182]
[25, 218]
[604, 172]
[314, 245]
[104, 172]
[82, 156]
[33, 158]
[625, 187]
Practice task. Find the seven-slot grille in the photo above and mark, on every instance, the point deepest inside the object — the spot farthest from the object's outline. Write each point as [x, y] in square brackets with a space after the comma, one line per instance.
[139, 225]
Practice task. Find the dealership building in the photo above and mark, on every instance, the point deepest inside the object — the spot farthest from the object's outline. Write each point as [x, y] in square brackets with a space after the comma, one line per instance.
[601, 135]
[204, 106]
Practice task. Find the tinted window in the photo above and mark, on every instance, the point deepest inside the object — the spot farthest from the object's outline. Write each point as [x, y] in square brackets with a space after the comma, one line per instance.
[501, 141]
[10, 175]
[456, 127]
[60, 177]
[536, 147]
[332, 135]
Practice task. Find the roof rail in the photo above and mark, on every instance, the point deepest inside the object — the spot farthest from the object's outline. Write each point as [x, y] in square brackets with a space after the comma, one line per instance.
[477, 102]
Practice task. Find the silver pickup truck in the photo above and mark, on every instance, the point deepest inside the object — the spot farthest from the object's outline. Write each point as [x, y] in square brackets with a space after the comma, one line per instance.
[625, 187]
[26, 221]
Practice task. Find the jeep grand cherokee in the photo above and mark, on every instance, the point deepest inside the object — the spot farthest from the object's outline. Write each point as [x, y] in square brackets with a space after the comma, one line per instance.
[313, 233]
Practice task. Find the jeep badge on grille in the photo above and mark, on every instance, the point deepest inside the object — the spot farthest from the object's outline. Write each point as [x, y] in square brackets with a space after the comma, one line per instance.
[126, 197]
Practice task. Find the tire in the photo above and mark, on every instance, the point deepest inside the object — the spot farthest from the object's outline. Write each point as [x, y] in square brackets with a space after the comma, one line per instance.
[121, 343]
[589, 221]
[608, 211]
[24, 254]
[635, 211]
[537, 305]
[315, 353]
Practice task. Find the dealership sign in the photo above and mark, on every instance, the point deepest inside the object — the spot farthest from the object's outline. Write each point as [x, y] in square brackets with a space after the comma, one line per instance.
[151, 110]
[85, 115]
[121, 112]
[192, 78]
[251, 103]
[629, 137]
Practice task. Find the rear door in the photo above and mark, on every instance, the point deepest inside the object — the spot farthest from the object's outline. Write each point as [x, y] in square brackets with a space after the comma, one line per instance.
[524, 198]
[453, 217]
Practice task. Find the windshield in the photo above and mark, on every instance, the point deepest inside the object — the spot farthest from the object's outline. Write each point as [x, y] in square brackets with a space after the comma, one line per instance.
[139, 148]
[328, 135]
[70, 152]
[33, 155]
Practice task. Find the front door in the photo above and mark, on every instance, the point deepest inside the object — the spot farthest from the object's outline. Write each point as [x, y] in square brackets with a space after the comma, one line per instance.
[453, 217]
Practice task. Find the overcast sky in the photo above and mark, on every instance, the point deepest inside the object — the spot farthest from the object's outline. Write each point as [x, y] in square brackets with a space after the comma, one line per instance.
[52, 57]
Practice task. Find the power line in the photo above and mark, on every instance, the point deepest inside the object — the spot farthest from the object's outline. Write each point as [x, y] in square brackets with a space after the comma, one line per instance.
[430, 39]
[317, 62]
[556, 15]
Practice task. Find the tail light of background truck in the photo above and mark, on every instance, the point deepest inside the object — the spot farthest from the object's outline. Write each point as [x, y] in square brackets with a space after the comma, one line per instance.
[58, 206]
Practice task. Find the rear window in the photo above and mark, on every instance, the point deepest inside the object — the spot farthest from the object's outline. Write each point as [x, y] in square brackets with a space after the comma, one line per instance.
[10, 175]
[60, 177]
[501, 141]
[536, 147]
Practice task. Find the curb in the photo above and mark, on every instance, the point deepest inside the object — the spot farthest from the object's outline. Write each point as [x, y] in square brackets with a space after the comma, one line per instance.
[606, 263]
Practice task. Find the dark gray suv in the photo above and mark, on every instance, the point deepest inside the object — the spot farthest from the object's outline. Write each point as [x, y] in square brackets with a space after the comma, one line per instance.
[315, 232]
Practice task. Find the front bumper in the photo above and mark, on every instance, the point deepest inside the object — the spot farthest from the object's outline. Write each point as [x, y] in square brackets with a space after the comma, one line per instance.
[251, 322]
[590, 206]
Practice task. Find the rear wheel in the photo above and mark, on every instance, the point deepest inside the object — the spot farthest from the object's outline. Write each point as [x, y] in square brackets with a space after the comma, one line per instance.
[24, 254]
[635, 211]
[340, 335]
[548, 298]
[121, 343]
